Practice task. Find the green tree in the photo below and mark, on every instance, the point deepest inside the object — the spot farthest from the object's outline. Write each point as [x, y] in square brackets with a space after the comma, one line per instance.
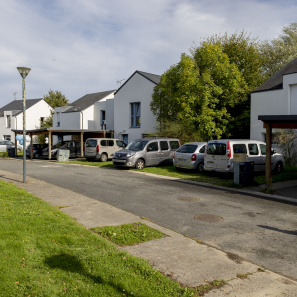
[244, 51]
[280, 51]
[199, 90]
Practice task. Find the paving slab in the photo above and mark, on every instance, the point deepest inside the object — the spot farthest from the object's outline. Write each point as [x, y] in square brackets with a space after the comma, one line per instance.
[177, 256]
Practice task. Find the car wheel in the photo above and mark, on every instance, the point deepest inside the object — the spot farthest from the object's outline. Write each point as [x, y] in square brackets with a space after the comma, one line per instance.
[103, 158]
[36, 156]
[200, 167]
[278, 167]
[139, 164]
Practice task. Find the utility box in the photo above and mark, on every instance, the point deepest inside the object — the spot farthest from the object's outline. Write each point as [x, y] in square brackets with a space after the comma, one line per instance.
[11, 152]
[239, 157]
[62, 155]
[243, 173]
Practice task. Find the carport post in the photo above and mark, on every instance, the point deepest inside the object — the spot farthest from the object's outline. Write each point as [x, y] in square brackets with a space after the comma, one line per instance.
[268, 154]
[31, 146]
[15, 145]
[49, 145]
[82, 144]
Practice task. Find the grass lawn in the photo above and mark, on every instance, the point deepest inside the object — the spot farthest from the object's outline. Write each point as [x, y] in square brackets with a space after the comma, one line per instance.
[44, 252]
[129, 234]
[222, 179]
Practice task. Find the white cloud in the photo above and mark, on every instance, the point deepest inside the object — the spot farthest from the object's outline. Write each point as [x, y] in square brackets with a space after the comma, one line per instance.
[80, 47]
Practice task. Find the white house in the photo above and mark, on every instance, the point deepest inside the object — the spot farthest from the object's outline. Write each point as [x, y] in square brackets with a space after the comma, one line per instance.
[11, 116]
[276, 96]
[82, 113]
[133, 117]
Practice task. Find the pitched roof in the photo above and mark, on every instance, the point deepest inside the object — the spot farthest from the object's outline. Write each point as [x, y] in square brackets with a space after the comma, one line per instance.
[275, 82]
[154, 78]
[87, 101]
[17, 106]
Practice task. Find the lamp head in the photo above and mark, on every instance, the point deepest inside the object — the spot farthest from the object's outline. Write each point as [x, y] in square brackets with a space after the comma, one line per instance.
[24, 71]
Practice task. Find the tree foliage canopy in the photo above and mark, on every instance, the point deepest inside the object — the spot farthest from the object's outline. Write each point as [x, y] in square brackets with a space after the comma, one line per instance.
[280, 51]
[199, 90]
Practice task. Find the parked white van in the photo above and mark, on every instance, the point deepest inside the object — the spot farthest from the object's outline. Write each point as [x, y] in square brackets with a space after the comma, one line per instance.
[219, 155]
[102, 148]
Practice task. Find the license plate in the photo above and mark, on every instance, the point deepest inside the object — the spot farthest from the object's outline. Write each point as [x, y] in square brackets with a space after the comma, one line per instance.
[210, 164]
[121, 161]
[182, 160]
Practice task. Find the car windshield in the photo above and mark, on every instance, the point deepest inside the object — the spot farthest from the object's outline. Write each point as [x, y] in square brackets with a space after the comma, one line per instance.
[136, 145]
[59, 144]
[187, 148]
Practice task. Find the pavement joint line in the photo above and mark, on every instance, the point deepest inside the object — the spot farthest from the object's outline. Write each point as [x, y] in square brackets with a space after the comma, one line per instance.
[275, 198]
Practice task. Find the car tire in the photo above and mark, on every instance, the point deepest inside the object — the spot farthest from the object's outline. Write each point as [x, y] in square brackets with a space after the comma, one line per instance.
[139, 164]
[278, 167]
[103, 158]
[200, 167]
[36, 156]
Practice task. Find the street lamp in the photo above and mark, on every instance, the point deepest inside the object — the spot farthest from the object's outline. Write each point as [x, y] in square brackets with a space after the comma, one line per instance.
[24, 72]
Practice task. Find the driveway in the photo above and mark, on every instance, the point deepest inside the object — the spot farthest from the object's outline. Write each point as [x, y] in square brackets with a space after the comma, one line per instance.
[258, 230]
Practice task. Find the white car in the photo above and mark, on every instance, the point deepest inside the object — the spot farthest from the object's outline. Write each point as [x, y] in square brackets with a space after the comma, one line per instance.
[219, 155]
[5, 145]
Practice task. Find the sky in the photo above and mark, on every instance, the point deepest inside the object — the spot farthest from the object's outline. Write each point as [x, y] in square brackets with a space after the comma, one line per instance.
[80, 47]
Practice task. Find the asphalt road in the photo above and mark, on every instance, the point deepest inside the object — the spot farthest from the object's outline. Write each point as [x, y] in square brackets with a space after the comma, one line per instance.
[258, 230]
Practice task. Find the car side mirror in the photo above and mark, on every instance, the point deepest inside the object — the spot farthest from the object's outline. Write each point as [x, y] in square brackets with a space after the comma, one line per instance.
[273, 152]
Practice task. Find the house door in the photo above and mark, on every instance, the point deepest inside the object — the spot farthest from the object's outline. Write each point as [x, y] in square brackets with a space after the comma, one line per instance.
[125, 138]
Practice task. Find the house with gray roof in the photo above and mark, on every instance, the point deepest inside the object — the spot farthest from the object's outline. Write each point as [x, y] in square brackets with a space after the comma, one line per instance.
[11, 116]
[276, 96]
[84, 113]
[133, 117]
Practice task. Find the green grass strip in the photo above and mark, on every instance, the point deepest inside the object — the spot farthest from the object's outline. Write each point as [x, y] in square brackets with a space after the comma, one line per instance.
[44, 252]
[129, 234]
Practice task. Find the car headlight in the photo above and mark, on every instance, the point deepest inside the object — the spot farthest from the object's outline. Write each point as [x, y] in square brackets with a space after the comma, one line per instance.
[131, 154]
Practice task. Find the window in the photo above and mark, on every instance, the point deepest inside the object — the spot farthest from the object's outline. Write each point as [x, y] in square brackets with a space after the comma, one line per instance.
[164, 145]
[41, 121]
[152, 147]
[7, 137]
[221, 149]
[202, 150]
[103, 142]
[187, 149]
[174, 145]
[263, 149]
[91, 143]
[120, 143]
[136, 145]
[135, 115]
[8, 121]
[102, 117]
[239, 148]
[110, 142]
[253, 149]
[211, 148]
[2, 142]
[58, 119]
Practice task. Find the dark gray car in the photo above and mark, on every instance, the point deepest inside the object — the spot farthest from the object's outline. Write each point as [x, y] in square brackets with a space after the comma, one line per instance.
[190, 156]
[146, 152]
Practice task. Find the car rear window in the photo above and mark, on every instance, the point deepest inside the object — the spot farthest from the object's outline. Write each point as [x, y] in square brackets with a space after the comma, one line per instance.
[174, 145]
[91, 143]
[239, 148]
[202, 149]
[187, 148]
[216, 149]
[221, 149]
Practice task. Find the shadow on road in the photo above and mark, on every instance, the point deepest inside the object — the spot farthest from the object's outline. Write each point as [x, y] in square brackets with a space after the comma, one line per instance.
[279, 230]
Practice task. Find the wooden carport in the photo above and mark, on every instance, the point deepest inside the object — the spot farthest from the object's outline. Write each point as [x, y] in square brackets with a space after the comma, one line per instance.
[274, 122]
[82, 135]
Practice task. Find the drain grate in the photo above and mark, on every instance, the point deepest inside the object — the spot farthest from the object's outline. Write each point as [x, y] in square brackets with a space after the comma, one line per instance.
[188, 199]
[209, 218]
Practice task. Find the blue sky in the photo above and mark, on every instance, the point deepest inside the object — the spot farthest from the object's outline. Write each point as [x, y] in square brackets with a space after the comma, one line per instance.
[85, 46]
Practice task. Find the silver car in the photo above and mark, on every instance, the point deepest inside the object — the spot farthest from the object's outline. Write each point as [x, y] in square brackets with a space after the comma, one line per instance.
[5, 145]
[190, 156]
[146, 152]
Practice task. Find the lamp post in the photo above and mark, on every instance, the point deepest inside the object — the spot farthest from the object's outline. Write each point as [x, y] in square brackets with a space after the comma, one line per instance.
[24, 72]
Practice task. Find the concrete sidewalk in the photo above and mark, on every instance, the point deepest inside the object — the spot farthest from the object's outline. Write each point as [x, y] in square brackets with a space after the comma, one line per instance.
[177, 256]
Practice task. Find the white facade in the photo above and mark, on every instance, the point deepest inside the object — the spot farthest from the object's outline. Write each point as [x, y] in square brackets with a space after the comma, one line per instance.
[273, 102]
[33, 116]
[137, 89]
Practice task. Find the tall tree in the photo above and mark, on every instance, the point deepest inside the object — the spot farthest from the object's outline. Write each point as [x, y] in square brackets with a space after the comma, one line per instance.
[198, 91]
[280, 51]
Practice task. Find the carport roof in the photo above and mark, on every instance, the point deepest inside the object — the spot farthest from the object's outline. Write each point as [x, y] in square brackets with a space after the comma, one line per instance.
[279, 121]
[69, 132]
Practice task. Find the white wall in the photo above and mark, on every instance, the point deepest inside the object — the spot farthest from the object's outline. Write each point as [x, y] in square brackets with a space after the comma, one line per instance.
[88, 119]
[274, 102]
[108, 107]
[137, 89]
